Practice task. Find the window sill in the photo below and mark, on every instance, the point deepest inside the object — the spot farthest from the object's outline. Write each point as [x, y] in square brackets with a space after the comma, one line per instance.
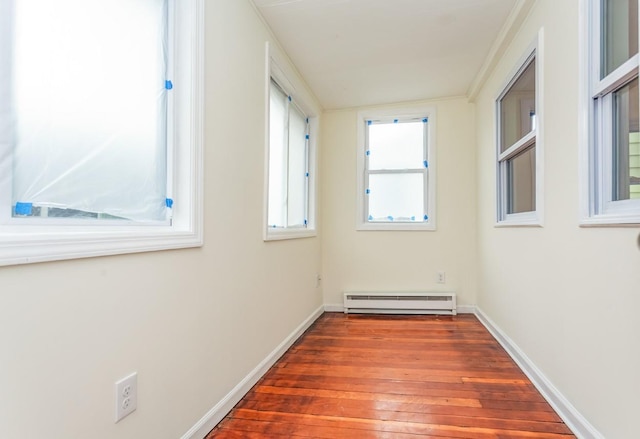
[526, 219]
[29, 248]
[611, 221]
[397, 227]
[282, 234]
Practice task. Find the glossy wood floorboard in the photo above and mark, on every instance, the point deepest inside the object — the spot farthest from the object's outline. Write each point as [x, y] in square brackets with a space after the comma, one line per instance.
[393, 377]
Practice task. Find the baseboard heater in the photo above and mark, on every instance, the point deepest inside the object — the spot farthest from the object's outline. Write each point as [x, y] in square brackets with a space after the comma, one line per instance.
[400, 303]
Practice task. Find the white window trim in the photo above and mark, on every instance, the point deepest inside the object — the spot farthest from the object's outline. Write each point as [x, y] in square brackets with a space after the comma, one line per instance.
[276, 67]
[536, 217]
[398, 113]
[39, 242]
[594, 153]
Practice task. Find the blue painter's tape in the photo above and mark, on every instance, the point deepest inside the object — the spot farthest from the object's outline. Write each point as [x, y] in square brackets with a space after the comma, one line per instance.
[426, 164]
[369, 122]
[368, 191]
[168, 84]
[368, 153]
[306, 175]
[307, 120]
[425, 120]
[289, 98]
[24, 208]
[426, 218]
[390, 218]
[370, 217]
[305, 222]
[169, 203]
[395, 120]
[413, 218]
[306, 137]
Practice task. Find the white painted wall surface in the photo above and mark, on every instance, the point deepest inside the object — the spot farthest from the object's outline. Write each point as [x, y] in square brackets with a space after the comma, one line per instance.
[192, 323]
[568, 296]
[404, 260]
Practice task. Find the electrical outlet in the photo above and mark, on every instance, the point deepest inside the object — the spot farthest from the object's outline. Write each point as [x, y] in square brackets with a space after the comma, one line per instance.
[441, 277]
[126, 396]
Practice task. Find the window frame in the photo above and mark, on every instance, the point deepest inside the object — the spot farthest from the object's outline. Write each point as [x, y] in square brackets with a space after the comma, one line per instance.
[30, 240]
[276, 70]
[534, 138]
[597, 207]
[429, 172]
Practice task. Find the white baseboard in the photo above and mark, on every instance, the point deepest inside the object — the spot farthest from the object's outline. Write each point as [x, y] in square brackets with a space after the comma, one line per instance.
[333, 307]
[222, 408]
[466, 309]
[569, 414]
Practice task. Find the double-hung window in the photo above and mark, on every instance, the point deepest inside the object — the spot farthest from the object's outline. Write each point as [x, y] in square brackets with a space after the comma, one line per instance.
[288, 162]
[611, 128]
[396, 176]
[291, 136]
[100, 125]
[519, 119]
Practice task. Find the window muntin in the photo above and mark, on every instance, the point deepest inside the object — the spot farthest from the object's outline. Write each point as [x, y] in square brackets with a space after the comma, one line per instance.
[90, 139]
[611, 85]
[396, 171]
[288, 162]
[517, 148]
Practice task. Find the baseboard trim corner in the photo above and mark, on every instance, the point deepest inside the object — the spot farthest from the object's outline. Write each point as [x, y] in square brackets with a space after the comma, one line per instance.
[224, 406]
[333, 307]
[466, 309]
[569, 414]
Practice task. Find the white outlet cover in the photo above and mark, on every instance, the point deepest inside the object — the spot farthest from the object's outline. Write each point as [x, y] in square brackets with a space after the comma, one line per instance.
[126, 396]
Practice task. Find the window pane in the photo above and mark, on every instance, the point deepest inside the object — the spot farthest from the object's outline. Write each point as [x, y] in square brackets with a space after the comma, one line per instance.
[518, 108]
[396, 145]
[277, 157]
[619, 33]
[297, 167]
[521, 182]
[626, 156]
[396, 197]
[91, 106]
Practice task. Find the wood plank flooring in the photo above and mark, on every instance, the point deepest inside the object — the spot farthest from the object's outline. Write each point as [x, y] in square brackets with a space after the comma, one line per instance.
[399, 377]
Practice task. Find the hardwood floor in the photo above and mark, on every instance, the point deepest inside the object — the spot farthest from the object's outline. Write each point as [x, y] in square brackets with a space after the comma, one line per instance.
[400, 377]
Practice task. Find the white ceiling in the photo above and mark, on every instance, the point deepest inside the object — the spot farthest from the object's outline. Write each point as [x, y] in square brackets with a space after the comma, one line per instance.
[363, 52]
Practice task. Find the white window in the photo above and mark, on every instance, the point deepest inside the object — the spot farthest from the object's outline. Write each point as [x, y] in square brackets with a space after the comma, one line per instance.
[100, 140]
[396, 175]
[290, 158]
[610, 144]
[519, 149]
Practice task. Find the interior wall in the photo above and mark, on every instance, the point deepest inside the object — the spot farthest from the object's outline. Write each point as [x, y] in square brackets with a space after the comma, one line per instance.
[400, 260]
[566, 295]
[193, 323]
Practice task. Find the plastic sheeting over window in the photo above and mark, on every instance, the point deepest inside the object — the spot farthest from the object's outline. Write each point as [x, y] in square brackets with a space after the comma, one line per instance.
[90, 97]
[288, 162]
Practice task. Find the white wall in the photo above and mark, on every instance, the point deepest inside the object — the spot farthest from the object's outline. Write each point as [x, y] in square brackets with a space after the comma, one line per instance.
[193, 322]
[404, 260]
[568, 296]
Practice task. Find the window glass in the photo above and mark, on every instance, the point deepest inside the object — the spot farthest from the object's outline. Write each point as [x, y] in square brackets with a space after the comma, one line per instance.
[625, 147]
[297, 168]
[518, 108]
[90, 99]
[521, 182]
[619, 33]
[288, 158]
[396, 145]
[278, 134]
[396, 197]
